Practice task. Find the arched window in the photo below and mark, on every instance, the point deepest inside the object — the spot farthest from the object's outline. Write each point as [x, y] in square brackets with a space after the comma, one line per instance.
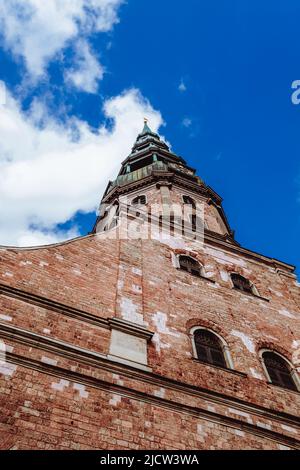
[209, 348]
[241, 283]
[139, 200]
[192, 266]
[189, 200]
[194, 221]
[279, 370]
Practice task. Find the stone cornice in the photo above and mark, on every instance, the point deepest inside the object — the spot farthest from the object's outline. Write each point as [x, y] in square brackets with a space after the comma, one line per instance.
[209, 238]
[183, 181]
[130, 328]
[54, 306]
[215, 239]
[108, 323]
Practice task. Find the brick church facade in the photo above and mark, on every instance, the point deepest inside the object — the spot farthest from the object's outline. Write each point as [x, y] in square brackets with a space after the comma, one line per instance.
[158, 330]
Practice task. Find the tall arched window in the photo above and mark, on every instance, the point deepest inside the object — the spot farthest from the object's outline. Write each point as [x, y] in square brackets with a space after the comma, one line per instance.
[241, 283]
[189, 200]
[192, 266]
[209, 348]
[139, 200]
[279, 370]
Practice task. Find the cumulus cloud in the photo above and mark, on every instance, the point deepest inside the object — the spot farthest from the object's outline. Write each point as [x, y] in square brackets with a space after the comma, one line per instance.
[87, 71]
[2, 93]
[182, 86]
[187, 122]
[37, 30]
[49, 172]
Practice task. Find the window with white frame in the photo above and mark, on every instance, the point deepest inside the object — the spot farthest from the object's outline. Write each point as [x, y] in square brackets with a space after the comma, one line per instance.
[210, 348]
[279, 371]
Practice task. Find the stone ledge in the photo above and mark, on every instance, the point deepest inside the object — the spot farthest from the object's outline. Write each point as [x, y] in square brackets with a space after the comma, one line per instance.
[126, 362]
[77, 314]
[130, 328]
[283, 388]
[204, 278]
[252, 296]
[224, 369]
[53, 305]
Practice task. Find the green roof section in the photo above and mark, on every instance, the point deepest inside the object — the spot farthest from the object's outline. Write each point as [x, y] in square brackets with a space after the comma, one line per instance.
[146, 129]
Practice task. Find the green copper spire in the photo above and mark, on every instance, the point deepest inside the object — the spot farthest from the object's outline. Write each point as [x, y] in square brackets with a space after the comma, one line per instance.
[146, 129]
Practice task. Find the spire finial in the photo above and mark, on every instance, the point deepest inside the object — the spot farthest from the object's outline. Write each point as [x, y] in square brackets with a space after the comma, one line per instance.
[146, 129]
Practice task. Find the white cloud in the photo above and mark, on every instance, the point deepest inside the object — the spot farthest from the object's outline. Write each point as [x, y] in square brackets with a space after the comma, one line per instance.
[35, 237]
[2, 93]
[37, 30]
[182, 86]
[186, 122]
[48, 174]
[87, 72]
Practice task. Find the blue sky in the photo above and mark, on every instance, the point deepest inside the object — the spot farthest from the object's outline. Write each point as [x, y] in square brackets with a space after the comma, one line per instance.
[217, 74]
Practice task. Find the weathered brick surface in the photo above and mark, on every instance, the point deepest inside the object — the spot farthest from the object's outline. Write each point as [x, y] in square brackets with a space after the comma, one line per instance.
[61, 390]
[44, 417]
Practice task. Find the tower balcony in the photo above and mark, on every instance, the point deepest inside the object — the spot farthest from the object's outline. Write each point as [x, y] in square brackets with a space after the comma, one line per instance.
[148, 170]
[139, 174]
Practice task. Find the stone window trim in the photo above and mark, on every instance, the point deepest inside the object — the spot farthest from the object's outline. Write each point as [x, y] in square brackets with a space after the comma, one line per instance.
[293, 369]
[176, 264]
[224, 346]
[130, 328]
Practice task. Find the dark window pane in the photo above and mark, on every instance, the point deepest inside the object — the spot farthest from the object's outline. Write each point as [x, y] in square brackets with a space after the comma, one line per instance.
[273, 375]
[209, 348]
[218, 357]
[241, 283]
[287, 380]
[190, 201]
[190, 265]
[139, 200]
[202, 353]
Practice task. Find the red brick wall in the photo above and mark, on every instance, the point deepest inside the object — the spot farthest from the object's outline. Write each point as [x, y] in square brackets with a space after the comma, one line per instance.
[182, 403]
[36, 416]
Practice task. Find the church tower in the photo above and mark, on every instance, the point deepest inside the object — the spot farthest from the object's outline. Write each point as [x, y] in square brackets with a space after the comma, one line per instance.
[158, 330]
[162, 185]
